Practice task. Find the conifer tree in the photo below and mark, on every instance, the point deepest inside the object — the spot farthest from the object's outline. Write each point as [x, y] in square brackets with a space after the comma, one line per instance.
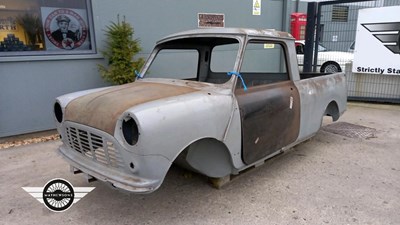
[120, 51]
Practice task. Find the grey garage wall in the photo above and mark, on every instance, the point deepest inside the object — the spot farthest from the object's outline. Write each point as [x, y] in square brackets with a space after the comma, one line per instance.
[29, 85]
[28, 90]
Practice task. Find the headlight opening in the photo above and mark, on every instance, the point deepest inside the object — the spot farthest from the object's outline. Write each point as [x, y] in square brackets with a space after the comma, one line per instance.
[58, 113]
[130, 131]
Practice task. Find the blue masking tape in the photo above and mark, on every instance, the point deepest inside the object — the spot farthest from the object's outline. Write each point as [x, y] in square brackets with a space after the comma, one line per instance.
[138, 74]
[241, 78]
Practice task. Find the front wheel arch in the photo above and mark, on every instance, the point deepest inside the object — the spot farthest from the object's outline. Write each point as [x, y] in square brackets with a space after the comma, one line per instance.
[207, 156]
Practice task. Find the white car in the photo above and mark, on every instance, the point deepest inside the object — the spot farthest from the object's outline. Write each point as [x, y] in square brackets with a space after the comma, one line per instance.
[328, 61]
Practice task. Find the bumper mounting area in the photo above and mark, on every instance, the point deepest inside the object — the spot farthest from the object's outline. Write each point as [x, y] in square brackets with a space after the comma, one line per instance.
[116, 178]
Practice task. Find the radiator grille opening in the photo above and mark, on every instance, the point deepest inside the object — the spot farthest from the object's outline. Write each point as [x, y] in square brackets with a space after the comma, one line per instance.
[93, 146]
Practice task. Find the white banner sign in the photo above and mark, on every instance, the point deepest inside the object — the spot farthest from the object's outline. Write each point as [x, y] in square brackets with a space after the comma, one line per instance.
[377, 42]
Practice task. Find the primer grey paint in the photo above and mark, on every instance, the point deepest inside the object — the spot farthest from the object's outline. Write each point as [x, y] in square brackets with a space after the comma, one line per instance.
[221, 135]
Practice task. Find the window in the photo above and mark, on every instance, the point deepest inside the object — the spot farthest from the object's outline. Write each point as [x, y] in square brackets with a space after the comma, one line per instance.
[340, 13]
[174, 63]
[45, 27]
[322, 48]
[223, 57]
[263, 57]
[299, 49]
[351, 48]
[303, 32]
[264, 63]
[191, 58]
[321, 32]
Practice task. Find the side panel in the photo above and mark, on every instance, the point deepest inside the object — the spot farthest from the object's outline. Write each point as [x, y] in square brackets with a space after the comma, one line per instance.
[168, 126]
[315, 95]
[270, 117]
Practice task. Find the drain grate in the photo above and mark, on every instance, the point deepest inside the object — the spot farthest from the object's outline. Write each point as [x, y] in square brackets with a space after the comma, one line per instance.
[350, 130]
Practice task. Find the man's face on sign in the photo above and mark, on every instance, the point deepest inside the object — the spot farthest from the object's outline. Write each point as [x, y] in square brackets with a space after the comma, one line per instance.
[63, 26]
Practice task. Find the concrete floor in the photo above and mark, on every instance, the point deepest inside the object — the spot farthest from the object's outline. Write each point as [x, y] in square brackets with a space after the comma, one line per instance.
[331, 179]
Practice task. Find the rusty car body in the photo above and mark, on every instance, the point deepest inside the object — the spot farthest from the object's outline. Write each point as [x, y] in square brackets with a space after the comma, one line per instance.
[244, 102]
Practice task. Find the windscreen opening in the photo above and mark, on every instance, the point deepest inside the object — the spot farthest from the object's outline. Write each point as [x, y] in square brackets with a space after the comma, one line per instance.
[206, 59]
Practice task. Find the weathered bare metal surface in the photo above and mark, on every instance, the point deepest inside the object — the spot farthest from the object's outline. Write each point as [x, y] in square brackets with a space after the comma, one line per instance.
[102, 109]
[229, 31]
[350, 130]
[315, 94]
[140, 179]
[174, 116]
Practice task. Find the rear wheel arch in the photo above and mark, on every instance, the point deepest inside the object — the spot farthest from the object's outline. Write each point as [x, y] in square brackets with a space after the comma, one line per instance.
[332, 110]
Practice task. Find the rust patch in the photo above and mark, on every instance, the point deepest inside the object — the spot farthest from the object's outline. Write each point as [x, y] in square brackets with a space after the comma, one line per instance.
[102, 109]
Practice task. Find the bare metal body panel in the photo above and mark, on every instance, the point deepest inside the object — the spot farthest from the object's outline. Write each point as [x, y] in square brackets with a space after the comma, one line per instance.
[109, 104]
[214, 129]
[316, 94]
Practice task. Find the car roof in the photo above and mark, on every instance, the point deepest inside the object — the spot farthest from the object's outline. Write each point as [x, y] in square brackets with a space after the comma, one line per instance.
[227, 32]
